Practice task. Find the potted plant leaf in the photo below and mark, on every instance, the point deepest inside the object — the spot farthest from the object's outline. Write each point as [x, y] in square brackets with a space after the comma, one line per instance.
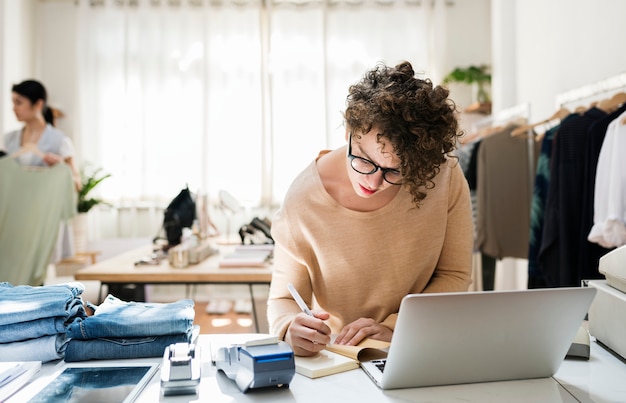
[89, 181]
[477, 76]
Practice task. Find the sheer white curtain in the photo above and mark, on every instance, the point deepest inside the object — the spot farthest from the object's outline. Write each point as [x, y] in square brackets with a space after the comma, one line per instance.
[236, 95]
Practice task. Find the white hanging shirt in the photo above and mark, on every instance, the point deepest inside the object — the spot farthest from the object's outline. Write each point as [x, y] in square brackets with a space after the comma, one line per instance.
[609, 217]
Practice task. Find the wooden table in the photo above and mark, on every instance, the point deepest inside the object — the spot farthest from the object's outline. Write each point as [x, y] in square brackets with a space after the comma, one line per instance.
[121, 269]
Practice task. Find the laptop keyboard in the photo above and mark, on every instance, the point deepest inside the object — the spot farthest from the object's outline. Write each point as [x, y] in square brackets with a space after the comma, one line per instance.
[380, 364]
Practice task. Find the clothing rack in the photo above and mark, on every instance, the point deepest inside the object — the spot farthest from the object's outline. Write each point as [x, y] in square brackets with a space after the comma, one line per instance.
[591, 92]
[521, 111]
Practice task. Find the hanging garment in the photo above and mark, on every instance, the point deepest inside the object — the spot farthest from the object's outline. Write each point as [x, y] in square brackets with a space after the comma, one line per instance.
[558, 254]
[33, 203]
[503, 194]
[589, 253]
[542, 180]
[609, 228]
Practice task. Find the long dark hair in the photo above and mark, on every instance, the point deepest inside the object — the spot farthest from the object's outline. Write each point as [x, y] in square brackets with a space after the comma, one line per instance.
[34, 91]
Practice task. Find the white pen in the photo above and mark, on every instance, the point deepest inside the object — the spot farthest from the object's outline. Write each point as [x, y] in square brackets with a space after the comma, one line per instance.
[299, 300]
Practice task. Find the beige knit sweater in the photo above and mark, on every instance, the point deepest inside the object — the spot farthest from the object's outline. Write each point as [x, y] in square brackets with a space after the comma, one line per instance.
[361, 264]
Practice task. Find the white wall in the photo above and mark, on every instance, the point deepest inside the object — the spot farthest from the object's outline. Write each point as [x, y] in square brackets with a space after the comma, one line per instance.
[503, 62]
[37, 41]
[16, 53]
[468, 42]
[564, 44]
[55, 61]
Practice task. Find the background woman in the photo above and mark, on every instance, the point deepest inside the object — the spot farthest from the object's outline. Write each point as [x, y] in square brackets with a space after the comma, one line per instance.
[38, 143]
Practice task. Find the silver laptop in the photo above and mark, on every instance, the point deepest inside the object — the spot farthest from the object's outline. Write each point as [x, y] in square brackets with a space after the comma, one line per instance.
[454, 338]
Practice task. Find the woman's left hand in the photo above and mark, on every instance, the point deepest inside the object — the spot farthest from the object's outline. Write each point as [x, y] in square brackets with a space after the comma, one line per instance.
[353, 333]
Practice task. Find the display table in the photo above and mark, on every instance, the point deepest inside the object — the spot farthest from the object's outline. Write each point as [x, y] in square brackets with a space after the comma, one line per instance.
[121, 270]
[601, 379]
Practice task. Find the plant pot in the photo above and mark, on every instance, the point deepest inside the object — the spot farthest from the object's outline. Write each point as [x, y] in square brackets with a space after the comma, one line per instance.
[80, 230]
[477, 107]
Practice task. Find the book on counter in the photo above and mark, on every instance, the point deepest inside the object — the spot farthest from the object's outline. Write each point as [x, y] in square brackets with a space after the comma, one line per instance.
[338, 358]
[247, 256]
[14, 375]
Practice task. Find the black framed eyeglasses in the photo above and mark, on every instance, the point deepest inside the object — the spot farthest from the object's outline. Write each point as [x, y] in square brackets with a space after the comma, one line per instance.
[367, 167]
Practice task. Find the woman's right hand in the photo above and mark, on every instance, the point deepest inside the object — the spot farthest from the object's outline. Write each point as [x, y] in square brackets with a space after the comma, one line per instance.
[307, 335]
[51, 159]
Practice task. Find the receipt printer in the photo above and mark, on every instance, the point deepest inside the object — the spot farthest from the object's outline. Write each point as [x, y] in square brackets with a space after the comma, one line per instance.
[261, 366]
[180, 372]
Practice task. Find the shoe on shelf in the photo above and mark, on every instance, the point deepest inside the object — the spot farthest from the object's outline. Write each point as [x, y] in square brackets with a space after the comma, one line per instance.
[219, 306]
[243, 306]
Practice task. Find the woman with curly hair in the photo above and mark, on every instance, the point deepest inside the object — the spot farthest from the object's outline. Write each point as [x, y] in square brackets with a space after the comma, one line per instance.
[386, 215]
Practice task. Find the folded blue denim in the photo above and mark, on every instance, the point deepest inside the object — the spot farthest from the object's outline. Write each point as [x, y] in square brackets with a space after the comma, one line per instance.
[44, 349]
[32, 329]
[117, 318]
[113, 348]
[24, 303]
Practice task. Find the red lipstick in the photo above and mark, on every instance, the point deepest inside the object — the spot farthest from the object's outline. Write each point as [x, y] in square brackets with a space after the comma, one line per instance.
[367, 191]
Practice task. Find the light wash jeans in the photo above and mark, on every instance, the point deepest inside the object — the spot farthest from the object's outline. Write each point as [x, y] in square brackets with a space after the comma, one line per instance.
[32, 329]
[44, 349]
[24, 303]
[113, 348]
[33, 320]
[121, 319]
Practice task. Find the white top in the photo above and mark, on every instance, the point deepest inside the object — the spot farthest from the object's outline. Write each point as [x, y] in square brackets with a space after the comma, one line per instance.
[609, 217]
[52, 141]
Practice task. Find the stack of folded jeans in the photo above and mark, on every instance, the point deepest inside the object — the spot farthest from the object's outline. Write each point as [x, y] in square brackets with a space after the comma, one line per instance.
[34, 320]
[120, 329]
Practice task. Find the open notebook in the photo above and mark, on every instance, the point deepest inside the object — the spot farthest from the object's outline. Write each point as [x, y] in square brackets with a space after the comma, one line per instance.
[453, 338]
[339, 358]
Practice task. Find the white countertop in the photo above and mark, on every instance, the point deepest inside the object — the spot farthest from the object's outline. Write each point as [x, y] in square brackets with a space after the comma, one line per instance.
[601, 379]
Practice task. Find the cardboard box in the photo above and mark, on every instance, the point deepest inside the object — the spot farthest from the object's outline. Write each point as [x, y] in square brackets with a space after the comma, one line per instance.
[607, 316]
[201, 252]
[182, 255]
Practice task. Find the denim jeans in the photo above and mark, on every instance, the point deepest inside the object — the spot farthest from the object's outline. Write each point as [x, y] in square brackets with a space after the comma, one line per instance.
[25, 303]
[42, 349]
[113, 348]
[121, 319]
[32, 329]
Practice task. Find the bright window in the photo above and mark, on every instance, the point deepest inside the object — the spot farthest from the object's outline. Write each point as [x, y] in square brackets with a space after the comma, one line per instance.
[235, 95]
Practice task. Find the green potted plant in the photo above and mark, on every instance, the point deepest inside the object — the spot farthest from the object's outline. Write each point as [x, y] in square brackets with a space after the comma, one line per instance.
[478, 76]
[89, 180]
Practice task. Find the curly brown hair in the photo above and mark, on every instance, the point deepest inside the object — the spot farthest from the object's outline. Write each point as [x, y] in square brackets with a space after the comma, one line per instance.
[416, 118]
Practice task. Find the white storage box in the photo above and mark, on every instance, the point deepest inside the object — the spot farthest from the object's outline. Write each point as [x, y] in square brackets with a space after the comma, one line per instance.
[607, 316]
[613, 266]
